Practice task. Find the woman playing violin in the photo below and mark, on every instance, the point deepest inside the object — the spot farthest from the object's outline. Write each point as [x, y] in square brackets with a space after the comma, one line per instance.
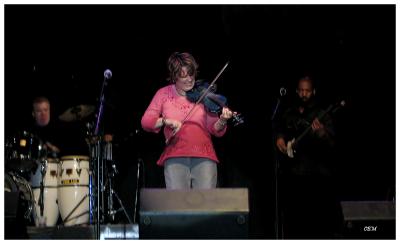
[189, 158]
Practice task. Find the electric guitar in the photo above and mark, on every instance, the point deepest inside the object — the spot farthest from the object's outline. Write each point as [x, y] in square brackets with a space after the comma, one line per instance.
[291, 146]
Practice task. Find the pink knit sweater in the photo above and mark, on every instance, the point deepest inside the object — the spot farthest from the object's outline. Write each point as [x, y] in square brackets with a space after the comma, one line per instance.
[194, 137]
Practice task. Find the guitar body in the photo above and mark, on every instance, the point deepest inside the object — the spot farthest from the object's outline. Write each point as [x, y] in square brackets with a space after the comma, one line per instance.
[291, 145]
[289, 148]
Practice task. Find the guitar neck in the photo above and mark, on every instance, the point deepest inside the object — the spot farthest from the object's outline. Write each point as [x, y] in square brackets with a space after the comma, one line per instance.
[325, 112]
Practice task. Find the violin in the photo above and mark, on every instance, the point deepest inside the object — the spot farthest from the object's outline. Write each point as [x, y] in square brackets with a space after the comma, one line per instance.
[204, 93]
[214, 103]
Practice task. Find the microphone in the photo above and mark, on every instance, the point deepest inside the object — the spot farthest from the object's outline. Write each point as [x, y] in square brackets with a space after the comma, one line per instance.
[107, 74]
[282, 91]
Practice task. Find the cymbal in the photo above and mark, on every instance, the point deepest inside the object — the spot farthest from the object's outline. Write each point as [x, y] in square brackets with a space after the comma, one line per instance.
[77, 113]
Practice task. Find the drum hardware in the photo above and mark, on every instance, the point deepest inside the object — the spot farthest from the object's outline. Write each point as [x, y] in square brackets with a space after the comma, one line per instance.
[92, 205]
[74, 209]
[111, 212]
[97, 159]
[101, 190]
[140, 161]
[106, 172]
[108, 151]
[96, 187]
[41, 194]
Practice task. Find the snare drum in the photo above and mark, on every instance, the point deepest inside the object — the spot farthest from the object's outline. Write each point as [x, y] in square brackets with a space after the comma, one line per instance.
[50, 183]
[73, 190]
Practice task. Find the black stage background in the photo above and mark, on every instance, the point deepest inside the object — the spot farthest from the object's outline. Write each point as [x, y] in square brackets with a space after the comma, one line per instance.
[61, 51]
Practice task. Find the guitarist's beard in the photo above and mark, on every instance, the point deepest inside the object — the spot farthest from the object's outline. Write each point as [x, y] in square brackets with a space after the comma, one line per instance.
[305, 103]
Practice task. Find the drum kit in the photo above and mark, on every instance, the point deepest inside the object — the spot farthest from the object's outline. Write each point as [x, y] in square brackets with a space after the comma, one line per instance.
[79, 188]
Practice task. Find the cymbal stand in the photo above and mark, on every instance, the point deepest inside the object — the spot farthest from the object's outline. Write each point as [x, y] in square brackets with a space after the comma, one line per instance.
[111, 172]
[122, 208]
[112, 193]
[107, 155]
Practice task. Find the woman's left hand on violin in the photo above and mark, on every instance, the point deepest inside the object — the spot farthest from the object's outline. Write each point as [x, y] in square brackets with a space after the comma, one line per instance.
[226, 114]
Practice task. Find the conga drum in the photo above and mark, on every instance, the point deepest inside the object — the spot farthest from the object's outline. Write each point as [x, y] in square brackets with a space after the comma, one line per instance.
[50, 185]
[73, 190]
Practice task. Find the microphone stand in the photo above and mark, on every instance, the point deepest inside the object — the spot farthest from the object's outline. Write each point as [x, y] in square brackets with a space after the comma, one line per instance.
[99, 115]
[278, 224]
[99, 161]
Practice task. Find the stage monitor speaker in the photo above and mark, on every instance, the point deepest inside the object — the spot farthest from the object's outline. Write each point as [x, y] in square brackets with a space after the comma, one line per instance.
[62, 233]
[369, 219]
[220, 213]
[107, 232]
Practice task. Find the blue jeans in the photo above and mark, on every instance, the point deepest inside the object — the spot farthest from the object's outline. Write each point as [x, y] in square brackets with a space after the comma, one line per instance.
[190, 172]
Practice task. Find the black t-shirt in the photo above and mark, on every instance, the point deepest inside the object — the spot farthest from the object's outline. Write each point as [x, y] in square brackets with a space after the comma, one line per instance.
[48, 134]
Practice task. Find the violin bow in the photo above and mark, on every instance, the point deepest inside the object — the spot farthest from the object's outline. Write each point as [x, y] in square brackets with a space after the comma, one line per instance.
[200, 99]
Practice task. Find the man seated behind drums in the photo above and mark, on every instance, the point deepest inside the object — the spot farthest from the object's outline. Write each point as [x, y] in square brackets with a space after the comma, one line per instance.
[43, 127]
